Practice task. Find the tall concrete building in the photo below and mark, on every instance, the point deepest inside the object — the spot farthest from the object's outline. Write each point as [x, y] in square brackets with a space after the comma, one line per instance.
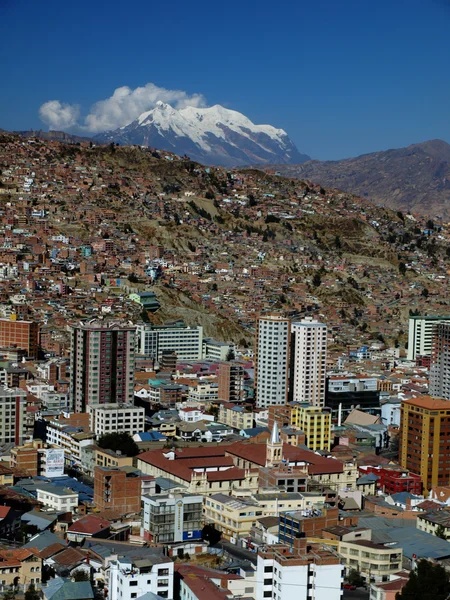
[308, 362]
[186, 342]
[273, 334]
[13, 404]
[230, 379]
[22, 334]
[425, 439]
[420, 335]
[440, 362]
[102, 363]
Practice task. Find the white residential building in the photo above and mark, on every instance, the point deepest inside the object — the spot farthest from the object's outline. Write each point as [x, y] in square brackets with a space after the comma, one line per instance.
[308, 363]
[186, 342]
[129, 580]
[300, 572]
[420, 335]
[272, 360]
[109, 418]
[58, 498]
[215, 350]
[193, 415]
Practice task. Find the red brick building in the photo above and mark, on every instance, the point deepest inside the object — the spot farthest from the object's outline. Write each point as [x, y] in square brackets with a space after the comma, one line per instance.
[117, 490]
[394, 479]
[23, 334]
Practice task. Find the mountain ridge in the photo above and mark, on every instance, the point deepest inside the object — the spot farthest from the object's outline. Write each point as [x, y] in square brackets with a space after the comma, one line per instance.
[415, 178]
[215, 135]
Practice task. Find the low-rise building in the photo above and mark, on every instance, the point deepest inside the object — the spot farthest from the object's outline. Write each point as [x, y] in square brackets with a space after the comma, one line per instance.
[117, 490]
[298, 572]
[374, 561]
[172, 518]
[236, 416]
[112, 417]
[130, 579]
[58, 498]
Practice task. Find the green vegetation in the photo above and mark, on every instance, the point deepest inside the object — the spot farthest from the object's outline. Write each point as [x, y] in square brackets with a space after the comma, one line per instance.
[119, 441]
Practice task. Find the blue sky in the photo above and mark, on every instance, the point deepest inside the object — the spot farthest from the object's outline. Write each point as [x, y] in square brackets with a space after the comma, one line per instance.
[342, 78]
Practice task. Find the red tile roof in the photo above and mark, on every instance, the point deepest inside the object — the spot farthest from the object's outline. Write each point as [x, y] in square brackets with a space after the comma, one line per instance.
[316, 464]
[89, 524]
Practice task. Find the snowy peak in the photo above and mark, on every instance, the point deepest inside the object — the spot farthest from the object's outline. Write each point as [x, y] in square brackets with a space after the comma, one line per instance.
[214, 135]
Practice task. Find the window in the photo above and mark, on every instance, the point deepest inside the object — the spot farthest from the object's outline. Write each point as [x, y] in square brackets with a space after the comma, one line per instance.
[133, 583]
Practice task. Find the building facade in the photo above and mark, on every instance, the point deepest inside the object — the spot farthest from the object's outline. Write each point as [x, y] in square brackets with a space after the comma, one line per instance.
[172, 518]
[186, 342]
[308, 361]
[425, 439]
[440, 362]
[272, 346]
[13, 405]
[129, 580]
[109, 418]
[102, 363]
[117, 490]
[315, 422]
[302, 571]
[230, 379]
[23, 334]
[420, 335]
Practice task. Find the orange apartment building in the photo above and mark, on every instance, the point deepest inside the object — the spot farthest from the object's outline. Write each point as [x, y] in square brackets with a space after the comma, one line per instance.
[425, 439]
[23, 334]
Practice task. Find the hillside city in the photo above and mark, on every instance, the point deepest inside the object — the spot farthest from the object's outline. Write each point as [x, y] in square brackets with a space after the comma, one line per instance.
[216, 383]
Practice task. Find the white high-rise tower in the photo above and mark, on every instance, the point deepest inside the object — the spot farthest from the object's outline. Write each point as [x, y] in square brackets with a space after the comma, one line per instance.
[272, 360]
[308, 363]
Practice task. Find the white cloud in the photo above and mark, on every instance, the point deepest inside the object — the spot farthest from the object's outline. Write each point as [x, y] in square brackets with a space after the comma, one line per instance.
[121, 108]
[58, 115]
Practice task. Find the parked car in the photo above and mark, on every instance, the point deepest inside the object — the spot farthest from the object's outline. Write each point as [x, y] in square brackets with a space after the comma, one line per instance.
[349, 586]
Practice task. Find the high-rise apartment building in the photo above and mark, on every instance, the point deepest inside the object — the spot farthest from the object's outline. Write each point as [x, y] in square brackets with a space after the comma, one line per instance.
[273, 334]
[425, 439]
[13, 405]
[22, 334]
[308, 361]
[420, 334]
[186, 342]
[440, 362]
[102, 363]
[230, 379]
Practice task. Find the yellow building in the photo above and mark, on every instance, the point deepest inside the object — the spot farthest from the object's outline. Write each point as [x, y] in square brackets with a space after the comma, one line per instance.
[109, 458]
[20, 566]
[234, 517]
[238, 417]
[316, 424]
[373, 561]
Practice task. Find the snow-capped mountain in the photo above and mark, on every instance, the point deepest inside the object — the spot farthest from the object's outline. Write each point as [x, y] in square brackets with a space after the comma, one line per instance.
[216, 136]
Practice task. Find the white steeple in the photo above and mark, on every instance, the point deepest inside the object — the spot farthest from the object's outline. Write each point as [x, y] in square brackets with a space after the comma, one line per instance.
[274, 449]
[275, 437]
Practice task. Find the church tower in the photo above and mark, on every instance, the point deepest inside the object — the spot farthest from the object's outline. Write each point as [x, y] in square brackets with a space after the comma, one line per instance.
[274, 449]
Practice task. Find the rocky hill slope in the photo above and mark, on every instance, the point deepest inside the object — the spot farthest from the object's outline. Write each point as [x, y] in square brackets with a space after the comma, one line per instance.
[416, 178]
[232, 242]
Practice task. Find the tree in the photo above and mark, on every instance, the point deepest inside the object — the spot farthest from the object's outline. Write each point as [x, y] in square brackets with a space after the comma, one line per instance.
[32, 593]
[230, 355]
[133, 278]
[119, 441]
[402, 268]
[440, 532]
[337, 242]
[81, 575]
[9, 595]
[425, 292]
[316, 280]
[428, 582]
[354, 578]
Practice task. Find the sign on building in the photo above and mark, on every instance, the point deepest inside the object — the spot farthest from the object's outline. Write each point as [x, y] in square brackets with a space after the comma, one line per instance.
[54, 463]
